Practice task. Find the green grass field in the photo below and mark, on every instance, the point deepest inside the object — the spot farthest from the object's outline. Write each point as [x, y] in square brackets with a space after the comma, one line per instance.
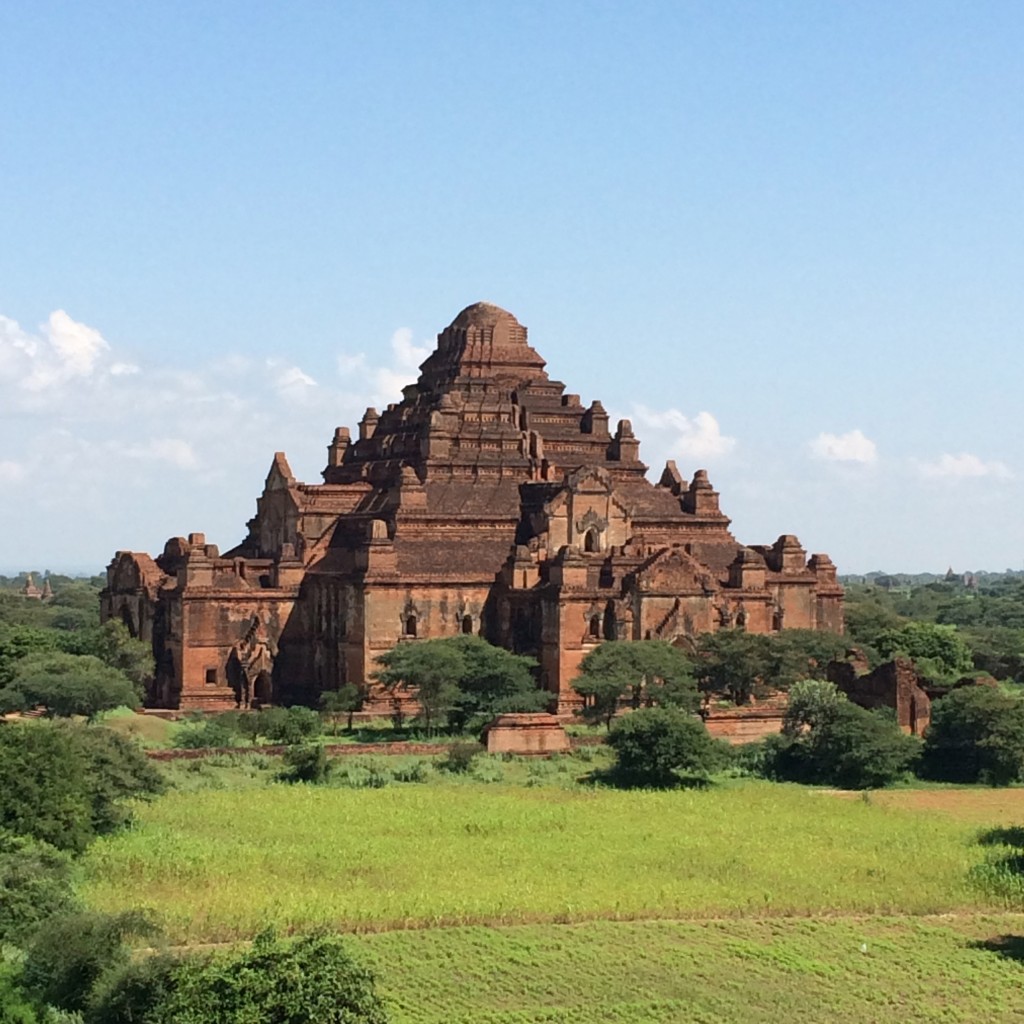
[219, 865]
[531, 898]
[882, 970]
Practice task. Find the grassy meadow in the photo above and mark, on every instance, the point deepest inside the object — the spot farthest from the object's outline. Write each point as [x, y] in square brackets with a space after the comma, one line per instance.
[518, 895]
[886, 970]
[220, 864]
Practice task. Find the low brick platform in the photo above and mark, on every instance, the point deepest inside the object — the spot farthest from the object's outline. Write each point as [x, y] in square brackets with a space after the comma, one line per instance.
[523, 733]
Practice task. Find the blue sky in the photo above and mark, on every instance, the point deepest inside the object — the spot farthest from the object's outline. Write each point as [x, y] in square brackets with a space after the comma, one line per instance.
[785, 239]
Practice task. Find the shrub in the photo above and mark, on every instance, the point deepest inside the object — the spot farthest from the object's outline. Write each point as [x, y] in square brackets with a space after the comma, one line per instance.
[116, 770]
[306, 762]
[811, 702]
[290, 725]
[64, 784]
[310, 979]
[848, 747]
[976, 735]
[35, 883]
[461, 756]
[132, 990]
[70, 952]
[661, 746]
[203, 734]
[415, 771]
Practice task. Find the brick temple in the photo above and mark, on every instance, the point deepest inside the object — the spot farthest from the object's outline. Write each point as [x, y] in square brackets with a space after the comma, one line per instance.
[487, 501]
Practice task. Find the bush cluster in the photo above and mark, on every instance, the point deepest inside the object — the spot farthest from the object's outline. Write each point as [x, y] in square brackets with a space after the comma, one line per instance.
[664, 747]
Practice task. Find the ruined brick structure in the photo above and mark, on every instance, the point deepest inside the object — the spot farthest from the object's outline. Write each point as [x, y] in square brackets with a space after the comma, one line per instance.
[897, 685]
[487, 501]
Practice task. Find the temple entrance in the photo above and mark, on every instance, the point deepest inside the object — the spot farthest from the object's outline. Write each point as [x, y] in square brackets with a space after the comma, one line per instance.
[263, 690]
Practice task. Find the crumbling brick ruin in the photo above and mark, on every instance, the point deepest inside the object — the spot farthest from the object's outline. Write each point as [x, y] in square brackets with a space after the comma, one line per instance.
[897, 685]
[487, 501]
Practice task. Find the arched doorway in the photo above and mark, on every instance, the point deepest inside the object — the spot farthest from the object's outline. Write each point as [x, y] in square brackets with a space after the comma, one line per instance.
[263, 690]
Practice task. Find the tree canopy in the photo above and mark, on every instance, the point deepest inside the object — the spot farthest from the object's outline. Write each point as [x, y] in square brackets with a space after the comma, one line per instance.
[937, 650]
[462, 678]
[662, 746]
[827, 740]
[66, 685]
[647, 672]
[976, 735]
[64, 784]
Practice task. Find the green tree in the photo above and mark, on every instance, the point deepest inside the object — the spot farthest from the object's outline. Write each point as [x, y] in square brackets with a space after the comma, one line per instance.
[869, 611]
[734, 664]
[117, 772]
[493, 681]
[35, 883]
[647, 672]
[42, 790]
[798, 654]
[273, 982]
[940, 648]
[976, 735]
[69, 953]
[432, 670]
[660, 746]
[64, 784]
[837, 743]
[464, 678]
[17, 642]
[67, 684]
[997, 650]
[114, 645]
[346, 700]
[811, 702]
[15, 1007]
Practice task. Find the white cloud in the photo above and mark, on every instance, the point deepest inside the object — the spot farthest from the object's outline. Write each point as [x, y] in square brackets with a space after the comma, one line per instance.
[162, 449]
[963, 466]
[292, 382]
[852, 446]
[62, 350]
[11, 472]
[699, 437]
[78, 347]
[117, 433]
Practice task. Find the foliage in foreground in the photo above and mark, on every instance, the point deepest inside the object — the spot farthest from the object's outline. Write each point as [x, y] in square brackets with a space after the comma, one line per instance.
[35, 883]
[64, 784]
[69, 954]
[274, 982]
[663, 747]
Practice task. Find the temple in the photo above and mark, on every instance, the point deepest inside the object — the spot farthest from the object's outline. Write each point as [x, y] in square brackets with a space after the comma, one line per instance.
[487, 501]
